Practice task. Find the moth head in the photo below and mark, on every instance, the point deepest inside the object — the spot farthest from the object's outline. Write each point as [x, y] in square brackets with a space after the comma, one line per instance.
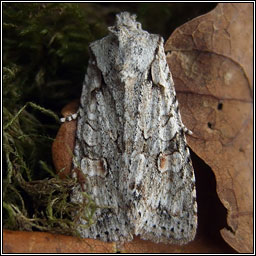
[127, 52]
[124, 21]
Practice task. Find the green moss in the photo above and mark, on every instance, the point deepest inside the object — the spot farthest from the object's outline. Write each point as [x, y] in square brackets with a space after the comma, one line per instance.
[50, 204]
[30, 203]
[41, 43]
[49, 45]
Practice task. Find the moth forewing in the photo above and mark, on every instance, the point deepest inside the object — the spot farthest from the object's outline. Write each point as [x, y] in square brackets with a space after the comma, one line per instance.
[131, 143]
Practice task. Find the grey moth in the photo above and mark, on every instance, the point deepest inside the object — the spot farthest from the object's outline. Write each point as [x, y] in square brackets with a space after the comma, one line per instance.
[130, 141]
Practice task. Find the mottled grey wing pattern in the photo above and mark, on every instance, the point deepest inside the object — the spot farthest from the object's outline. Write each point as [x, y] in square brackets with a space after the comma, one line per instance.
[131, 143]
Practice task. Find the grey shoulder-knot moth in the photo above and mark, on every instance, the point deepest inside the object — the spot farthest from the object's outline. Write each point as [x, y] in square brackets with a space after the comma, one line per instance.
[130, 141]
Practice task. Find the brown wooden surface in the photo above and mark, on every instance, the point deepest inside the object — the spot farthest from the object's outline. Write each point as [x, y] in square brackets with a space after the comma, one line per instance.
[41, 242]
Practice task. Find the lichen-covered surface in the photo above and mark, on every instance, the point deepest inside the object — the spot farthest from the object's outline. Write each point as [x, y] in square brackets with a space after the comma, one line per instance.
[130, 141]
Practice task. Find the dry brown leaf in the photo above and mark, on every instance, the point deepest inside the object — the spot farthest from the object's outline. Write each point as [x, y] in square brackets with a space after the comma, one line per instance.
[64, 143]
[211, 59]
